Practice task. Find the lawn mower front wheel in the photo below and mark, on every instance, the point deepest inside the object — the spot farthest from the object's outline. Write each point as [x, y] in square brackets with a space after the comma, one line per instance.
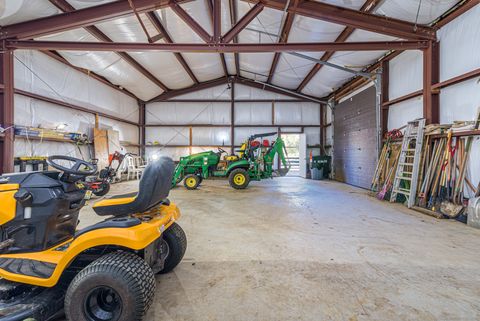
[118, 286]
[176, 240]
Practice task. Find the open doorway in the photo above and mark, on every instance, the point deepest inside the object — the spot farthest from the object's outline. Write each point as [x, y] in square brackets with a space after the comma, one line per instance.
[296, 153]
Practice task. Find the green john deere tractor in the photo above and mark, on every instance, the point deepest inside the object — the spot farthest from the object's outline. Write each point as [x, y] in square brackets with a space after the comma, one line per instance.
[253, 161]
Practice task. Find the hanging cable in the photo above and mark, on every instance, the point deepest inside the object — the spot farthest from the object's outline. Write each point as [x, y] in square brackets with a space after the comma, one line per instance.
[418, 14]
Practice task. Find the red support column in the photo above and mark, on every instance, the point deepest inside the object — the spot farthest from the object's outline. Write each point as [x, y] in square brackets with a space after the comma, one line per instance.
[322, 128]
[141, 127]
[6, 111]
[385, 95]
[431, 76]
[232, 117]
[217, 21]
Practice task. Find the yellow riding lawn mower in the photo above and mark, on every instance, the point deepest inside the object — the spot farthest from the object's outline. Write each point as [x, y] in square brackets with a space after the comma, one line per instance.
[102, 272]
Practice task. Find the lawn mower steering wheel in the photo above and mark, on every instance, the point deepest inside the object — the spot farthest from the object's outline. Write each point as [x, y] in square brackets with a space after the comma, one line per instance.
[87, 170]
[221, 150]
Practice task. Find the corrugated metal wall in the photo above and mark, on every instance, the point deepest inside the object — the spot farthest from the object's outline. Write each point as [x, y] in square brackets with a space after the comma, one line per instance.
[354, 139]
[255, 111]
[40, 74]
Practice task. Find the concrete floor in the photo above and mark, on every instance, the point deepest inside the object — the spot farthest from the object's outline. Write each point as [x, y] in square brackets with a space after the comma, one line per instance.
[295, 249]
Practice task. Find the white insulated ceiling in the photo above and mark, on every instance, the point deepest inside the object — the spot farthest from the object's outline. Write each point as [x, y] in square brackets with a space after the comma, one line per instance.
[290, 70]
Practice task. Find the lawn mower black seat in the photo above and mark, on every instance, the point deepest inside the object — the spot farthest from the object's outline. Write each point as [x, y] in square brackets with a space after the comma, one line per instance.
[154, 187]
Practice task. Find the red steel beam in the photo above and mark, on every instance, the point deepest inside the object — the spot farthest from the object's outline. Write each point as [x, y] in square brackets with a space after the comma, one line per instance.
[283, 39]
[129, 59]
[243, 23]
[168, 39]
[232, 116]
[94, 31]
[415, 94]
[66, 7]
[141, 127]
[212, 18]
[72, 106]
[357, 82]
[228, 125]
[253, 84]
[457, 12]
[56, 56]
[7, 111]
[458, 79]
[356, 19]
[233, 19]
[384, 95]
[217, 20]
[431, 75]
[229, 47]
[435, 87]
[196, 87]
[222, 81]
[368, 6]
[191, 22]
[79, 18]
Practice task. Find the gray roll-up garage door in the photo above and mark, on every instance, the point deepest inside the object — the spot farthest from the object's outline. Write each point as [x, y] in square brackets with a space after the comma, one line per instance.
[354, 139]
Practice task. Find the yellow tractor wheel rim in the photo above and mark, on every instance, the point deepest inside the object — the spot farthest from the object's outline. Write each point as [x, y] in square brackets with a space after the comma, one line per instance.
[191, 182]
[239, 179]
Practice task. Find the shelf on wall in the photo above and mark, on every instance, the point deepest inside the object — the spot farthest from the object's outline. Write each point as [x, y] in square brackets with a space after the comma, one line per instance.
[187, 146]
[49, 139]
[129, 144]
[457, 134]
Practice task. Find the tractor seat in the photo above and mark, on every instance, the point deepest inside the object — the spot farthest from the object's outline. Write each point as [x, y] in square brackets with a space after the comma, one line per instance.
[154, 188]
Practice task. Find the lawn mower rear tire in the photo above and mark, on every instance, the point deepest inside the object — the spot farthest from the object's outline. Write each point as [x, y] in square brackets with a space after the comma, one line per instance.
[177, 245]
[117, 286]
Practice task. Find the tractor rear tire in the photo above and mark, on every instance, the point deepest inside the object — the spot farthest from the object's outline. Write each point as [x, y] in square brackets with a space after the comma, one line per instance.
[200, 177]
[117, 286]
[177, 245]
[191, 181]
[239, 178]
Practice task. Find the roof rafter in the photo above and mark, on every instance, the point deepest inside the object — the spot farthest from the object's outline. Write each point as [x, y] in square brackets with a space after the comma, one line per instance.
[217, 19]
[212, 12]
[55, 55]
[357, 82]
[196, 87]
[79, 18]
[97, 33]
[368, 6]
[194, 25]
[152, 16]
[223, 81]
[233, 19]
[356, 19]
[287, 26]
[242, 23]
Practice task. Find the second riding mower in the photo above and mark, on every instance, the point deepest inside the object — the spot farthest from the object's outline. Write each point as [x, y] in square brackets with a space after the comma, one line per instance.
[253, 161]
[102, 272]
[99, 185]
